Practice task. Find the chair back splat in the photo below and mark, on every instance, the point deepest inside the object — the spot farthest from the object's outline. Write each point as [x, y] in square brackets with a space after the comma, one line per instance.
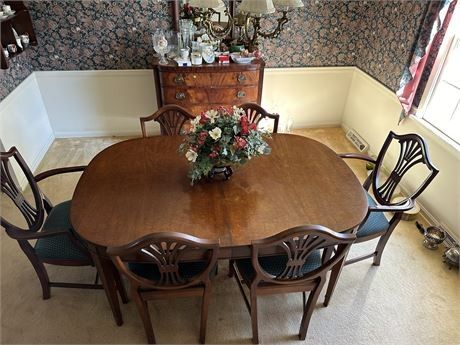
[256, 113]
[171, 118]
[413, 151]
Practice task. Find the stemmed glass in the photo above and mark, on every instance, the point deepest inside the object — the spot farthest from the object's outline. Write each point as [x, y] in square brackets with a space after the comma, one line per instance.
[155, 37]
[162, 47]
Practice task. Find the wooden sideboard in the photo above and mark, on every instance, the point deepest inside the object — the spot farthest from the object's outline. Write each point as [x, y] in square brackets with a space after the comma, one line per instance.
[199, 88]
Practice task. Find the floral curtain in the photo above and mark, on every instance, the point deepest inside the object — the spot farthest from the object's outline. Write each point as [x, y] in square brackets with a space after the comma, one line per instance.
[426, 48]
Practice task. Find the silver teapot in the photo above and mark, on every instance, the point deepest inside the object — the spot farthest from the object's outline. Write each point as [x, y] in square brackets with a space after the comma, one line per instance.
[434, 236]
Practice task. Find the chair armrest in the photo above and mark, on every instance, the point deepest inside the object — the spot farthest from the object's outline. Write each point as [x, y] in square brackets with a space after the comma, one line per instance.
[393, 208]
[58, 171]
[26, 235]
[357, 156]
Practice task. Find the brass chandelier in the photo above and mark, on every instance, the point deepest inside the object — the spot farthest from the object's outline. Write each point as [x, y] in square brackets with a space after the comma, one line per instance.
[247, 24]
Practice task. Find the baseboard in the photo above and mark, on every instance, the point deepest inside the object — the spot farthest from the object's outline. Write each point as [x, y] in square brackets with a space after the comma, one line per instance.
[94, 134]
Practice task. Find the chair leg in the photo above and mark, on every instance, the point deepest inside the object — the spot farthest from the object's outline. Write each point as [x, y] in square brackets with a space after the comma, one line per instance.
[381, 246]
[120, 287]
[144, 313]
[255, 328]
[304, 300]
[204, 313]
[308, 311]
[38, 267]
[335, 273]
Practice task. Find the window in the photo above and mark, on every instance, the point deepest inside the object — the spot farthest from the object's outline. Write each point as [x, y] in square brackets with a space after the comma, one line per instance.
[441, 101]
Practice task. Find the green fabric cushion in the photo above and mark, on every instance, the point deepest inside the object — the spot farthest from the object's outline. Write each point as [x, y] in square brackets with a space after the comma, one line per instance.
[376, 222]
[187, 270]
[275, 265]
[59, 247]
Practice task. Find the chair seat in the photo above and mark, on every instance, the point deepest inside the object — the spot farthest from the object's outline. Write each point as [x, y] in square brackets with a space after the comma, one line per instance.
[187, 270]
[275, 265]
[59, 247]
[376, 222]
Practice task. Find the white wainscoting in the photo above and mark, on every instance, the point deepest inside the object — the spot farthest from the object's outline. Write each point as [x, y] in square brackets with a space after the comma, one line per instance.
[308, 97]
[97, 103]
[24, 123]
[373, 110]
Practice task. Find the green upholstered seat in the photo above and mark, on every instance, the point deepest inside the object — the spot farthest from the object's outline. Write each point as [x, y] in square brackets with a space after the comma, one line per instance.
[376, 222]
[275, 265]
[59, 247]
[187, 270]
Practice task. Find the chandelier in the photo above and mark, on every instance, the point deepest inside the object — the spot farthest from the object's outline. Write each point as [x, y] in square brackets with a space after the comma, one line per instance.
[247, 24]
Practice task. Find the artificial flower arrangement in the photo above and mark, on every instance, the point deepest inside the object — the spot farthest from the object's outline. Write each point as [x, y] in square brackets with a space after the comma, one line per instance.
[222, 137]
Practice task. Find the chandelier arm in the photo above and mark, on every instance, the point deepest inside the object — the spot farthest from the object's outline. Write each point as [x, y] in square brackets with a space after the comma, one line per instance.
[277, 31]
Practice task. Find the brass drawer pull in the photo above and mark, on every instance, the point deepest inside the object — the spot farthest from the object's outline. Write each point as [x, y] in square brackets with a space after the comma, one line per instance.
[241, 94]
[240, 78]
[180, 95]
[179, 79]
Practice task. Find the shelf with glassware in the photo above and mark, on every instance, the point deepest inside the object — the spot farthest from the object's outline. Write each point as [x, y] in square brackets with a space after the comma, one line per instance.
[16, 31]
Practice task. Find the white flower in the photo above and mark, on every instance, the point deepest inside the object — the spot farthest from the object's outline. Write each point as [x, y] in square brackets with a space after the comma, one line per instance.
[191, 156]
[261, 149]
[212, 114]
[215, 133]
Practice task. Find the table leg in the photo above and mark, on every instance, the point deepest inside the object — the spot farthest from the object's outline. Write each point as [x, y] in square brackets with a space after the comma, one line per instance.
[108, 277]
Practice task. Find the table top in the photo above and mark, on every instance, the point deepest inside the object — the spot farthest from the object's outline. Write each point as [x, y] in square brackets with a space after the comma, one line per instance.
[140, 186]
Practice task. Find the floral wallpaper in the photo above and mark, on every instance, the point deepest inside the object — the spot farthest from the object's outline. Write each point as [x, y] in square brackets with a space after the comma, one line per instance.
[376, 36]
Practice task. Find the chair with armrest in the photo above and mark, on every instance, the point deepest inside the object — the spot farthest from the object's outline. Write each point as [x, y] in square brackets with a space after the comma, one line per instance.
[171, 118]
[167, 264]
[305, 257]
[256, 113]
[56, 242]
[412, 151]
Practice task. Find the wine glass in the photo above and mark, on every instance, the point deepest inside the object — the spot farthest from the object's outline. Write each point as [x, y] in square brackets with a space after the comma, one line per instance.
[155, 37]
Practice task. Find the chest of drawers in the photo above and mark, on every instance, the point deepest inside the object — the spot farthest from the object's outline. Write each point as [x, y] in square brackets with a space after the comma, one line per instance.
[199, 88]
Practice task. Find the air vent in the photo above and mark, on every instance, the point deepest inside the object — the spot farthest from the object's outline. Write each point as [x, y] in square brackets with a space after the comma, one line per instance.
[357, 141]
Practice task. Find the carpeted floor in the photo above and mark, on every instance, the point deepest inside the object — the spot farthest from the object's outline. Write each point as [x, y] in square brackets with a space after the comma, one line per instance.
[412, 298]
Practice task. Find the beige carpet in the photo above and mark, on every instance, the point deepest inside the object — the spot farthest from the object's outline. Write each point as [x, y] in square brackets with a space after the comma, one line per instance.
[412, 298]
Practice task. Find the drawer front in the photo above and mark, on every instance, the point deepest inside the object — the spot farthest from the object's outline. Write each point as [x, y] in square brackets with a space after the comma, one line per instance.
[235, 78]
[236, 95]
[185, 79]
[184, 95]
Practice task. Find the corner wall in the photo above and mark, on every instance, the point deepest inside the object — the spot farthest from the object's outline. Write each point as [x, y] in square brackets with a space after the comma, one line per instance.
[24, 123]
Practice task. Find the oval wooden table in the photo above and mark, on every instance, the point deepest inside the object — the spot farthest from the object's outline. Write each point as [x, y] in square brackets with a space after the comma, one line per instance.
[140, 186]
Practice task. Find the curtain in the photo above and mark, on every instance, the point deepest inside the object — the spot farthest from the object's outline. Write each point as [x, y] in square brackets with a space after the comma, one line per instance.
[426, 48]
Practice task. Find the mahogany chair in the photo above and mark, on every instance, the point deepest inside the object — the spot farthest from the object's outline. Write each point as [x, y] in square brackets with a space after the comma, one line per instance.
[306, 256]
[412, 151]
[256, 113]
[171, 118]
[167, 264]
[56, 242]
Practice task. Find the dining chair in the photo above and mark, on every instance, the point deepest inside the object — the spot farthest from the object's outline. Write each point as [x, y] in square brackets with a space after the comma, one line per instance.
[305, 257]
[49, 226]
[256, 113]
[167, 264]
[171, 118]
[413, 151]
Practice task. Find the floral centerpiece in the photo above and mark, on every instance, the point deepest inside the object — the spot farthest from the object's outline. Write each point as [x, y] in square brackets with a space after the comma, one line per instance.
[222, 137]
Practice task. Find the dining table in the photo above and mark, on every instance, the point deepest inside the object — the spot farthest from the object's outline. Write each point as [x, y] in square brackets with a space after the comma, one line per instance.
[140, 186]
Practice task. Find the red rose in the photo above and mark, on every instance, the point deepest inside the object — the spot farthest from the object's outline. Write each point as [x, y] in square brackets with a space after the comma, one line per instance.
[203, 119]
[202, 137]
[240, 143]
[253, 126]
[213, 154]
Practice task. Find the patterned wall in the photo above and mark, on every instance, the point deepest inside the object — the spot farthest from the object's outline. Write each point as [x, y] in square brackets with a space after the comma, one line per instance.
[376, 36]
